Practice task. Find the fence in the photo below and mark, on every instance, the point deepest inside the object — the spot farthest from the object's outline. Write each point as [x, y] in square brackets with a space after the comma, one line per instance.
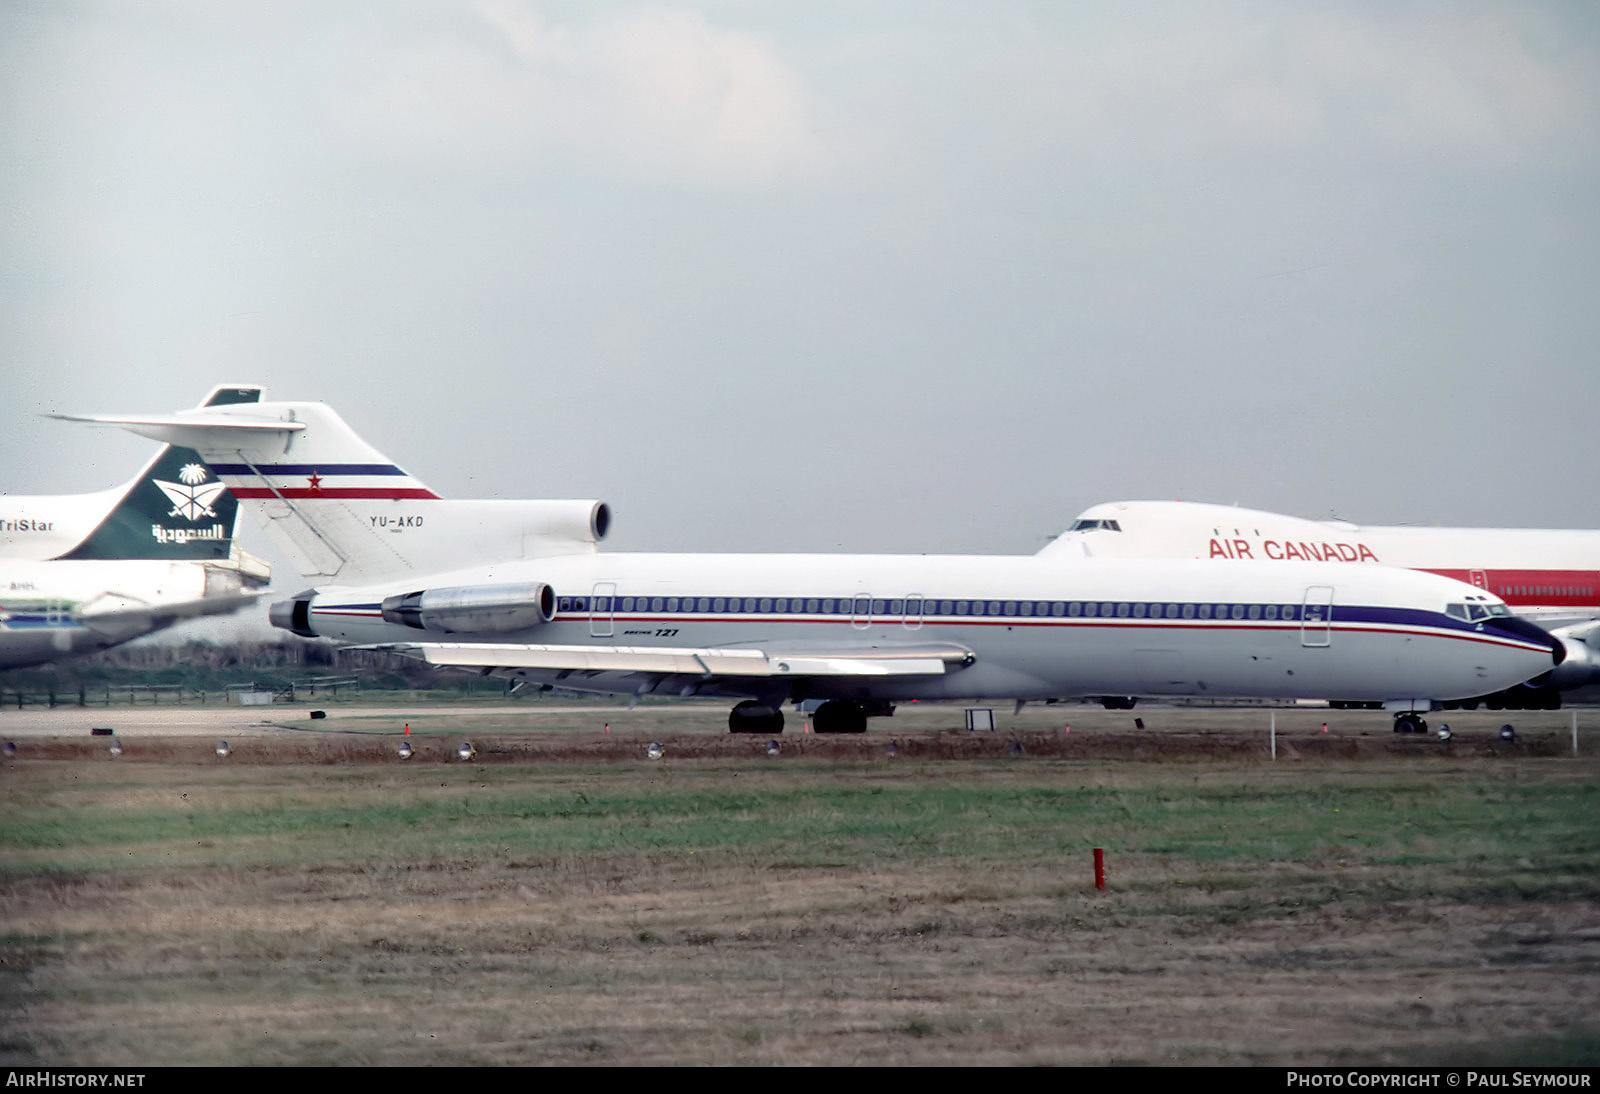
[316, 687]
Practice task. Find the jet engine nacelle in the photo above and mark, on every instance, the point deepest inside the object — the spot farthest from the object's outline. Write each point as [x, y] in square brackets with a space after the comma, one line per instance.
[474, 609]
[1580, 667]
[294, 615]
[558, 521]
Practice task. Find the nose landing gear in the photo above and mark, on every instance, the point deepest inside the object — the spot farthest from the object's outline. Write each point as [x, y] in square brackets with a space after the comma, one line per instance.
[1410, 723]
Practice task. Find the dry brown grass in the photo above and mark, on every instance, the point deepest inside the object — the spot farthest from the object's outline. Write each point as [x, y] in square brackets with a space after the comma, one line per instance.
[650, 962]
[734, 957]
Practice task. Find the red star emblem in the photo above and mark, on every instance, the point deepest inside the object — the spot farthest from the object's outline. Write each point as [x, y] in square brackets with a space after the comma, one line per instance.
[316, 481]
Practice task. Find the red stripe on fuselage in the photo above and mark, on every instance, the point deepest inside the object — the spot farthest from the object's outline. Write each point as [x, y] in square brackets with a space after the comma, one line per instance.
[1013, 621]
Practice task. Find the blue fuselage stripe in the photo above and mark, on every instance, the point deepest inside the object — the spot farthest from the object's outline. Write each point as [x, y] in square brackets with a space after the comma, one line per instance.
[306, 469]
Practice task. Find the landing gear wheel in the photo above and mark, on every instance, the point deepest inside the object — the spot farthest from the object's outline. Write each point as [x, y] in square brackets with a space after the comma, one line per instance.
[754, 716]
[1409, 723]
[839, 716]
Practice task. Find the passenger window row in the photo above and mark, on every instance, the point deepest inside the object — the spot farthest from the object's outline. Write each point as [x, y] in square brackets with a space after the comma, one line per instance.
[1547, 590]
[931, 608]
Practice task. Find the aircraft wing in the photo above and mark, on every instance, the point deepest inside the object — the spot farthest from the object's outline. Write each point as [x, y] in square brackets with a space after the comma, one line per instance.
[926, 660]
[118, 616]
[216, 604]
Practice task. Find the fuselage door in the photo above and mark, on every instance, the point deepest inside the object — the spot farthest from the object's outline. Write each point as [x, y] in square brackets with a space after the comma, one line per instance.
[602, 607]
[1478, 578]
[861, 612]
[1316, 616]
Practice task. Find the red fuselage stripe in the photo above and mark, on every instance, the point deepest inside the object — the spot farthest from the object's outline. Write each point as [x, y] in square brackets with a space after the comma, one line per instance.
[1314, 628]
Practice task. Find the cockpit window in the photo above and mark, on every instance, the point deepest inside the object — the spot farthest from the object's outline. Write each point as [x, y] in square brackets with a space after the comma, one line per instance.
[1474, 611]
[1095, 525]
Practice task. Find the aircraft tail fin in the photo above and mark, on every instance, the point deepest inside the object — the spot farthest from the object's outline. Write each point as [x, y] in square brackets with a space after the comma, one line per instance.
[345, 512]
[175, 509]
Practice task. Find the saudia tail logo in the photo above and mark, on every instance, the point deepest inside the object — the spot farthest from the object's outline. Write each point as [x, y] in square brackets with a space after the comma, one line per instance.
[191, 499]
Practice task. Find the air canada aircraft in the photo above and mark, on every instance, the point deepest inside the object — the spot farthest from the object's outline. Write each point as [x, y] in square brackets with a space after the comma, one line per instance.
[521, 589]
[84, 572]
[1550, 576]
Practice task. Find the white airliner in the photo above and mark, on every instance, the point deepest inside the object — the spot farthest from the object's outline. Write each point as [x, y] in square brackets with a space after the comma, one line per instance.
[519, 588]
[1551, 576]
[83, 572]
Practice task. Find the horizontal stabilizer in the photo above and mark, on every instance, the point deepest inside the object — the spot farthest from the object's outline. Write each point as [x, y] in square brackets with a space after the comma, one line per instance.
[191, 430]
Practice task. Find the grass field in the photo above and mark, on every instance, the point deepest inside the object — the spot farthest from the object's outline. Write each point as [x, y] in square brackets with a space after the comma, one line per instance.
[562, 898]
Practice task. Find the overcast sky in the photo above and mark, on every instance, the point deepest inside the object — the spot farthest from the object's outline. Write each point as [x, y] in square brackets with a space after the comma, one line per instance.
[912, 276]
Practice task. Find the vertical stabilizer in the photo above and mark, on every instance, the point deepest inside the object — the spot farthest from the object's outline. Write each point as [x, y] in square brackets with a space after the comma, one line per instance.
[325, 496]
[175, 510]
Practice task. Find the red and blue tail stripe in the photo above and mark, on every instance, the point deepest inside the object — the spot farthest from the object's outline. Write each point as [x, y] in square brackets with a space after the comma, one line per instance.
[321, 480]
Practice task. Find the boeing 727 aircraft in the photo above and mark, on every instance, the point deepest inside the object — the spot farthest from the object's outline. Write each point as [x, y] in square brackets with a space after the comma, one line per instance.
[520, 588]
[84, 572]
[1550, 576]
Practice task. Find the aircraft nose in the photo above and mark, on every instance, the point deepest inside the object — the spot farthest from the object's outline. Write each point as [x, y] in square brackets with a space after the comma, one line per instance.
[1515, 627]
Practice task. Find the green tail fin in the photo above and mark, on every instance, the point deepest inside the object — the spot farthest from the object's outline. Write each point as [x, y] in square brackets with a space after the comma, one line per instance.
[175, 510]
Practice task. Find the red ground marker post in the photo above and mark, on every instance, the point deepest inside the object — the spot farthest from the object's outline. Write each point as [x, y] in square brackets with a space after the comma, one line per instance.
[1099, 868]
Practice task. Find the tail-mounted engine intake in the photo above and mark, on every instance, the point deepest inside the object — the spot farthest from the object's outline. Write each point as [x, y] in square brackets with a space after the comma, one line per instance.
[558, 523]
[473, 609]
[294, 615]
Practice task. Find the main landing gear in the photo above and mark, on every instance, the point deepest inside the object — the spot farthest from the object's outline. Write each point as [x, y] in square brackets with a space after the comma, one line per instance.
[840, 716]
[754, 716]
[834, 716]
